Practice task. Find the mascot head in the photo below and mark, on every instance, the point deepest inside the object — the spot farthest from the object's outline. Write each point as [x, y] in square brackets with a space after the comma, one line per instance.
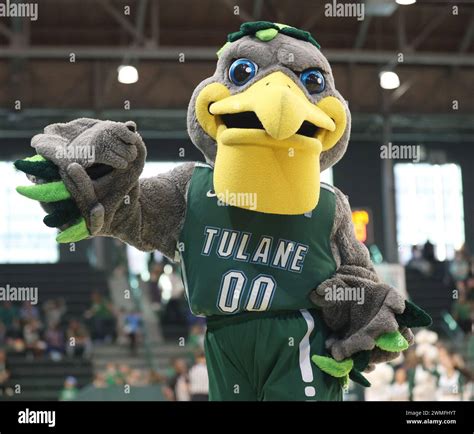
[270, 118]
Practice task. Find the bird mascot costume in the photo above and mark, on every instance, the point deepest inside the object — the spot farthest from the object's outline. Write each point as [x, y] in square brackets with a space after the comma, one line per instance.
[261, 241]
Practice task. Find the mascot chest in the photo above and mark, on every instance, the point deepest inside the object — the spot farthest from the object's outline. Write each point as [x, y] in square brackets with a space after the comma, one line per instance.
[229, 250]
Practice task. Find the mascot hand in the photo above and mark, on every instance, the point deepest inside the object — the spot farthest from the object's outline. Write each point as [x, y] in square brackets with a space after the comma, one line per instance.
[369, 319]
[82, 171]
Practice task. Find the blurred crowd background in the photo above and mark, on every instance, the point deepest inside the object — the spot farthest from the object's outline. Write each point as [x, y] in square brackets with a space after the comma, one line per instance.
[437, 367]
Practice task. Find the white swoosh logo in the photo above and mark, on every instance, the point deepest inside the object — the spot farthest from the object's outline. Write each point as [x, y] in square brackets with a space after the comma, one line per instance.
[211, 193]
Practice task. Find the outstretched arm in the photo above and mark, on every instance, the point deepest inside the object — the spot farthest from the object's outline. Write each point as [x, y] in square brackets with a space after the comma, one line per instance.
[87, 179]
[152, 215]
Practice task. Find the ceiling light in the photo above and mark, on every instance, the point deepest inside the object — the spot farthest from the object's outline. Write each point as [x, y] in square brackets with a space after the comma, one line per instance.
[389, 80]
[127, 74]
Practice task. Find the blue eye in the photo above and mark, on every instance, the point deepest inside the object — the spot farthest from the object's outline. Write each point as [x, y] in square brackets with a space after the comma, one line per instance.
[241, 71]
[313, 80]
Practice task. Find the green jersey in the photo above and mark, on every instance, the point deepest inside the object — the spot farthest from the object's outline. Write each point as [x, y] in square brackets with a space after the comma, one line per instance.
[235, 260]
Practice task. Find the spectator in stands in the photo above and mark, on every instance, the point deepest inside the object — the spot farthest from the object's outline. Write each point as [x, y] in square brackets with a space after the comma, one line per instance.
[425, 375]
[99, 380]
[459, 269]
[69, 391]
[132, 327]
[4, 372]
[155, 377]
[381, 379]
[122, 374]
[467, 376]
[15, 337]
[78, 340]
[54, 339]
[54, 311]
[450, 381]
[29, 312]
[34, 345]
[177, 387]
[198, 379]
[8, 313]
[112, 375]
[418, 263]
[425, 385]
[400, 390]
[462, 311]
[196, 336]
[136, 378]
[429, 252]
[101, 317]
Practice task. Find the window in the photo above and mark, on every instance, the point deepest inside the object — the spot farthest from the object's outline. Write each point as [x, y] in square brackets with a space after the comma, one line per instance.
[153, 168]
[326, 176]
[23, 236]
[429, 204]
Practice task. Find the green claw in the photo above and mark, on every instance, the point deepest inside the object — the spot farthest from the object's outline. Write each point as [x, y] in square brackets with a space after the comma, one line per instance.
[393, 342]
[75, 233]
[36, 157]
[343, 370]
[357, 377]
[413, 316]
[38, 166]
[332, 367]
[61, 213]
[49, 192]
[361, 360]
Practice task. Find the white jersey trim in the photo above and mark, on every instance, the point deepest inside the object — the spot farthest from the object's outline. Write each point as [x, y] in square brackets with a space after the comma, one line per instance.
[201, 164]
[327, 187]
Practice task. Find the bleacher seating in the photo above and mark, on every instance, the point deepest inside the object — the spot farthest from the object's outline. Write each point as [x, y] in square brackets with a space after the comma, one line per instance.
[42, 379]
[72, 281]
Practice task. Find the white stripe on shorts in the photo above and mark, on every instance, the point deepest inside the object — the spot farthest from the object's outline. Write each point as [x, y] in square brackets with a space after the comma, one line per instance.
[305, 361]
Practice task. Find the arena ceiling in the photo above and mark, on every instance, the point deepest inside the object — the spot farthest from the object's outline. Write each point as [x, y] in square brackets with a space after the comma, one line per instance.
[35, 68]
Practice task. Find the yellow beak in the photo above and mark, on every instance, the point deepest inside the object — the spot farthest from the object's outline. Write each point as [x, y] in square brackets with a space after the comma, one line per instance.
[271, 161]
[280, 105]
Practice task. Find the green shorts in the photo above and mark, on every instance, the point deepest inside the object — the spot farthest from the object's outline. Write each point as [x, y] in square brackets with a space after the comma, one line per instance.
[265, 356]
